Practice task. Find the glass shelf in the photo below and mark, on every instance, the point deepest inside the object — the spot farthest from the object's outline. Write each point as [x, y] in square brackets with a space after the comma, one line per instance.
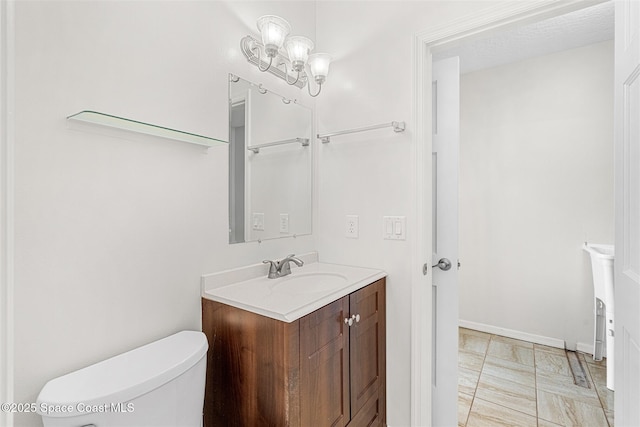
[145, 128]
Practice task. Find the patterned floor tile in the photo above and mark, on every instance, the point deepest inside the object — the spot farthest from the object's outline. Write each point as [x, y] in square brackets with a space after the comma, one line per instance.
[512, 371]
[513, 341]
[609, 415]
[466, 331]
[553, 363]
[487, 414]
[508, 382]
[464, 406]
[545, 423]
[473, 343]
[507, 393]
[599, 376]
[566, 411]
[469, 360]
[564, 385]
[467, 381]
[548, 349]
[589, 359]
[513, 353]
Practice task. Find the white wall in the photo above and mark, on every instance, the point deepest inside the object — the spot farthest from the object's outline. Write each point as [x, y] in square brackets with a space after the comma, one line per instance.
[372, 174]
[113, 230]
[113, 233]
[536, 182]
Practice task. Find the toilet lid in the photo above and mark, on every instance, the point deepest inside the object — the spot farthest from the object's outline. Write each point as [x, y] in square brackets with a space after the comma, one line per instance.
[125, 376]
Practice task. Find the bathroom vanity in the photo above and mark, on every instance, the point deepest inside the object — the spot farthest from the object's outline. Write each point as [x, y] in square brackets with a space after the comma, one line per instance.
[294, 354]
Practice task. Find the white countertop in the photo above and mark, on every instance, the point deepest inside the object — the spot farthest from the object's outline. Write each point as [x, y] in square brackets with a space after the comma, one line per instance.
[249, 288]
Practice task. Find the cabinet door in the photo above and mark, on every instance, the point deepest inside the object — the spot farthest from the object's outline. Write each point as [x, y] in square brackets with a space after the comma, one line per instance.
[324, 366]
[367, 348]
[252, 367]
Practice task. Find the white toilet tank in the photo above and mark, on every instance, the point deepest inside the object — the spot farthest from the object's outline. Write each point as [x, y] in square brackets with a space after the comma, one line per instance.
[159, 384]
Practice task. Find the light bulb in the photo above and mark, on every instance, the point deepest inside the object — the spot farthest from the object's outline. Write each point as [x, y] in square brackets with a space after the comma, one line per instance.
[273, 30]
[298, 48]
[319, 65]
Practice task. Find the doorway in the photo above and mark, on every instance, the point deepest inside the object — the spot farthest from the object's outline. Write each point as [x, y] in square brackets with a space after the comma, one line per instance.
[502, 17]
[536, 181]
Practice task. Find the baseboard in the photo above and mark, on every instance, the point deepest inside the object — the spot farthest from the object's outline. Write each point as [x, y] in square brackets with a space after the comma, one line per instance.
[587, 348]
[519, 335]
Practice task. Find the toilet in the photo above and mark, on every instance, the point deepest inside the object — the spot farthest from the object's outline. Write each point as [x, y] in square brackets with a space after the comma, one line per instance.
[602, 258]
[158, 384]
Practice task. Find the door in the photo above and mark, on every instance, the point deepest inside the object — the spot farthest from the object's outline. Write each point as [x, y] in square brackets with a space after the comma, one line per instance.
[446, 141]
[627, 217]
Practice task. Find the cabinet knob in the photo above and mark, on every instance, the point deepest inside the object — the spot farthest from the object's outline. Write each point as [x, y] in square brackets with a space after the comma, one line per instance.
[350, 320]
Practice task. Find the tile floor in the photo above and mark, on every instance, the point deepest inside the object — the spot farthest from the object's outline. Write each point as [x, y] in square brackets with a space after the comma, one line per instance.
[508, 382]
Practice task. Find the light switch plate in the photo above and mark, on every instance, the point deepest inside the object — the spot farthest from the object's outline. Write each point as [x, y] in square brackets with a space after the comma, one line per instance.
[394, 228]
[351, 225]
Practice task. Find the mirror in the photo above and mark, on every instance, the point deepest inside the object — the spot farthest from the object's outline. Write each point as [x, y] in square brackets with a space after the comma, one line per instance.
[270, 164]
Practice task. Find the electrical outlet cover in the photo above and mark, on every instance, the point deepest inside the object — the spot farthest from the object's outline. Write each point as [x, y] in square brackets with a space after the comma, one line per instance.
[284, 222]
[258, 221]
[351, 230]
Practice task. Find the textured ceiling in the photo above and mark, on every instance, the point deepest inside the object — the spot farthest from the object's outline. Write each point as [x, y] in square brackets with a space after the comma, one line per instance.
[580, 28]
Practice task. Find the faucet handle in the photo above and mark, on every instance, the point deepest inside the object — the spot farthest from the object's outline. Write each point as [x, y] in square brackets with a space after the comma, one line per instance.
[274, 264]
[273, 268]
[284, 266]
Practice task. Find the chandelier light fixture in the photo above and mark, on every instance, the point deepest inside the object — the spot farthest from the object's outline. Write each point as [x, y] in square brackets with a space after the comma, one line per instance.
[287, 57]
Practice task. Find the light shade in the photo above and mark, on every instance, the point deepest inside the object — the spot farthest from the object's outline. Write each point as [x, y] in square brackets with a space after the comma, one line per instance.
[298, 48]
[273, 30]
[319, 65]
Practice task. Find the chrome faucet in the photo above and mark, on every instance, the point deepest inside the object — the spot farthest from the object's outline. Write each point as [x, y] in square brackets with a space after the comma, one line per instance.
[282, 268]
[285, 268]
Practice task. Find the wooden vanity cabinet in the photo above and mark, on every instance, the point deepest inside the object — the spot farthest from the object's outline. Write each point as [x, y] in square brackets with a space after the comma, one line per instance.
[316, 371]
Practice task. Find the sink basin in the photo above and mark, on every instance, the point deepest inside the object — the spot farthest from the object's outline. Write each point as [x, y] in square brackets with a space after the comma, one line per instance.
[602, 251]
[287, 298]
[304, 283]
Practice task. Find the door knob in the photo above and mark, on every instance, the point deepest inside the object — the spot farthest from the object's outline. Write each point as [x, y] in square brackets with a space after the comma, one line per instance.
[444, 264]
